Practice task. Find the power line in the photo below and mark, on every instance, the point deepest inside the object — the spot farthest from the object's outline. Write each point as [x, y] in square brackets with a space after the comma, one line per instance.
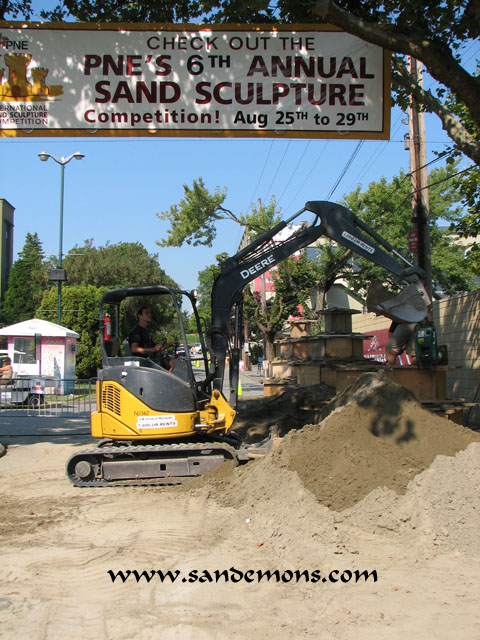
[278, 169]
[262, 172]
[375, 155]
[295, 170]
[345, 169]
[309, 173]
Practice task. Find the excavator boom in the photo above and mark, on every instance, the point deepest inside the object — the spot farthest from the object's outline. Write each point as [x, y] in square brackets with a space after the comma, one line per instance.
[340, 225]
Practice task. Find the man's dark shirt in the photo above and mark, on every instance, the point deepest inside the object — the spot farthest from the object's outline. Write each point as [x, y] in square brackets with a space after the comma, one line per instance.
[141, 336]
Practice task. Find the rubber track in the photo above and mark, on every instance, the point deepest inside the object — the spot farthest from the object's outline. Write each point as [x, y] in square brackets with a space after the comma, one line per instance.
[121, 451]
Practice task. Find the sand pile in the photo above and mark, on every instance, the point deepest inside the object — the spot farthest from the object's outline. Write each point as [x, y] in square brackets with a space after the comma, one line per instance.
[375, 440]
[292, 409]
[441, 507]
[376, 435]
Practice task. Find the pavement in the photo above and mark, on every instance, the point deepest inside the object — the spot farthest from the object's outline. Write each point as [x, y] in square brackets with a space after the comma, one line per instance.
[29, 429]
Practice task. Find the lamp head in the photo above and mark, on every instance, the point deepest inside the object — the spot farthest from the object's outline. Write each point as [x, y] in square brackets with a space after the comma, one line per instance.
[78, 155]
[43, 156]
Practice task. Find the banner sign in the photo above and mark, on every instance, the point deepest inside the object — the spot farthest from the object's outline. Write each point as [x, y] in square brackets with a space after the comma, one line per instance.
[305, 81]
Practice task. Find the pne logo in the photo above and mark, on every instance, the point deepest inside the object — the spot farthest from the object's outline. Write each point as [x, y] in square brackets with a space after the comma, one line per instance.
[13, 45]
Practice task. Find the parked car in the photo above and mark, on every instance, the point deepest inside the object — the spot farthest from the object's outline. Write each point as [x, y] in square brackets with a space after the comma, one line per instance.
[180, 350]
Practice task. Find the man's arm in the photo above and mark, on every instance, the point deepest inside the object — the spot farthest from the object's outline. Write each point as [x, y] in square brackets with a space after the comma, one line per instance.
[135, 348]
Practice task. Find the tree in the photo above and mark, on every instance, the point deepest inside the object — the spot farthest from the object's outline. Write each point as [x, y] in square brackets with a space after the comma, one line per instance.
[386, 207]
[468, 186]
[429, 31]
[79, 313]
[93, 270]
[13, 9]
[293, 281]
[125, 264]
[194, 220]
[26, 283]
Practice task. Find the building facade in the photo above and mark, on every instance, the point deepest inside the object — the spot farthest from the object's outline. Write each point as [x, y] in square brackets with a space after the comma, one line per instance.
[6, 244]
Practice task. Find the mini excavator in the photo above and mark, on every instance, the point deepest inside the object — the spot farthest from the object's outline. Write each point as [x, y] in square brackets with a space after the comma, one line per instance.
[160, 427]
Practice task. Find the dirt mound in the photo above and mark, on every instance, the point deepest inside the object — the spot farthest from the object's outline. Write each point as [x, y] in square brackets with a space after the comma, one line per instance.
[439, 508]
[375, 434]
[380, 437]
[292, 409]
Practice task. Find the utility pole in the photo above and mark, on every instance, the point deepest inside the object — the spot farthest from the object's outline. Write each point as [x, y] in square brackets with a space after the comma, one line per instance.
[419, 237]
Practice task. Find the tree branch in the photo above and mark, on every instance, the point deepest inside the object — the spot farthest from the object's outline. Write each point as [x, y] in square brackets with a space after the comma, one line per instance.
[438, 58]
[454, 128]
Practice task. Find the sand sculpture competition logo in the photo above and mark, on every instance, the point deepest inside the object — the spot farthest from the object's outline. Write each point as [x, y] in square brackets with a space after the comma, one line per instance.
[18, 86]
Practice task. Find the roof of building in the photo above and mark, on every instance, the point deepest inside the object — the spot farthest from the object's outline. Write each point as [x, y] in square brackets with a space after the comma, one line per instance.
[30, 328]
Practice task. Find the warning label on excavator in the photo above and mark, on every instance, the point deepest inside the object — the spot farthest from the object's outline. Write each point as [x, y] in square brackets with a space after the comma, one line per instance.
[73, 79]
[156, 422]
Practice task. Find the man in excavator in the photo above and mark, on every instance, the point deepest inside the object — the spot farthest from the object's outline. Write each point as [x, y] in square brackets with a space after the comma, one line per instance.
[141, 344]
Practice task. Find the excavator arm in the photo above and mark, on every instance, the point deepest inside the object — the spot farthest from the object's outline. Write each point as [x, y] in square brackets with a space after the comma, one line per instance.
[333, 221]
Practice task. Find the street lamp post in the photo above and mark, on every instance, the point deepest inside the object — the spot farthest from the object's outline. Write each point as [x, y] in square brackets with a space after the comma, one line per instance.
[60, 273]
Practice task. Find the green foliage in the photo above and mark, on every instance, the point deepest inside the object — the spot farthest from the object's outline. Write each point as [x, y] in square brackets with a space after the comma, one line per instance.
[15, 9]
[166, 11]
[26, 283]
[194, 220]
[469, 225]
[293, 281]
[262, 218]
[386, 207]
[79, 313]
[468, 185]
[91, 271]
[125, 264]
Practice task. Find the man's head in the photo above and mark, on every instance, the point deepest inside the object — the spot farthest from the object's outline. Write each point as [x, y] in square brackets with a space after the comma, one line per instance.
[7, 360]
[144, 315]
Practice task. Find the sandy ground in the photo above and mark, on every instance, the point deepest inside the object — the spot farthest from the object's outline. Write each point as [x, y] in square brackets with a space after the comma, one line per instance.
[59, 543]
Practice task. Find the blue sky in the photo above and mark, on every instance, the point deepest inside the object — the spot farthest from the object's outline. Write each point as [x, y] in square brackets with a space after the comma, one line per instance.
[113, 194]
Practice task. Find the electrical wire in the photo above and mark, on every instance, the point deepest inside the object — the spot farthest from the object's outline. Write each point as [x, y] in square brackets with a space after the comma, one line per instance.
[262, 172]
[309, 173]
[345, 169]
[278, 169]
[294, 171]
[375, 155]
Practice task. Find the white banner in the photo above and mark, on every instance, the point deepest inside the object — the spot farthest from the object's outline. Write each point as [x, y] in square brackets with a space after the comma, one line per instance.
[218, 80]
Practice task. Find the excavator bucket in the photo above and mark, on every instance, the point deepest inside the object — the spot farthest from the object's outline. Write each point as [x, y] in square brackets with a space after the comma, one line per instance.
[410, 305]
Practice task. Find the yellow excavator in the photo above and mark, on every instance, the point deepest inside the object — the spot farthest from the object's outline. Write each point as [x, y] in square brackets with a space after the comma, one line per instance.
[161, 427]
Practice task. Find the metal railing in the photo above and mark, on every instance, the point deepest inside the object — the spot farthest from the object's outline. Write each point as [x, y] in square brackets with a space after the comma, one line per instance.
[40, 396]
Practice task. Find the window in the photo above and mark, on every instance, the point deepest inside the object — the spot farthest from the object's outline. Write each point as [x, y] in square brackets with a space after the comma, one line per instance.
[26, 349]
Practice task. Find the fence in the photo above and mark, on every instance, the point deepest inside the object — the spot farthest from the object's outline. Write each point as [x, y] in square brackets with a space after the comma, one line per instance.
[36, 396]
